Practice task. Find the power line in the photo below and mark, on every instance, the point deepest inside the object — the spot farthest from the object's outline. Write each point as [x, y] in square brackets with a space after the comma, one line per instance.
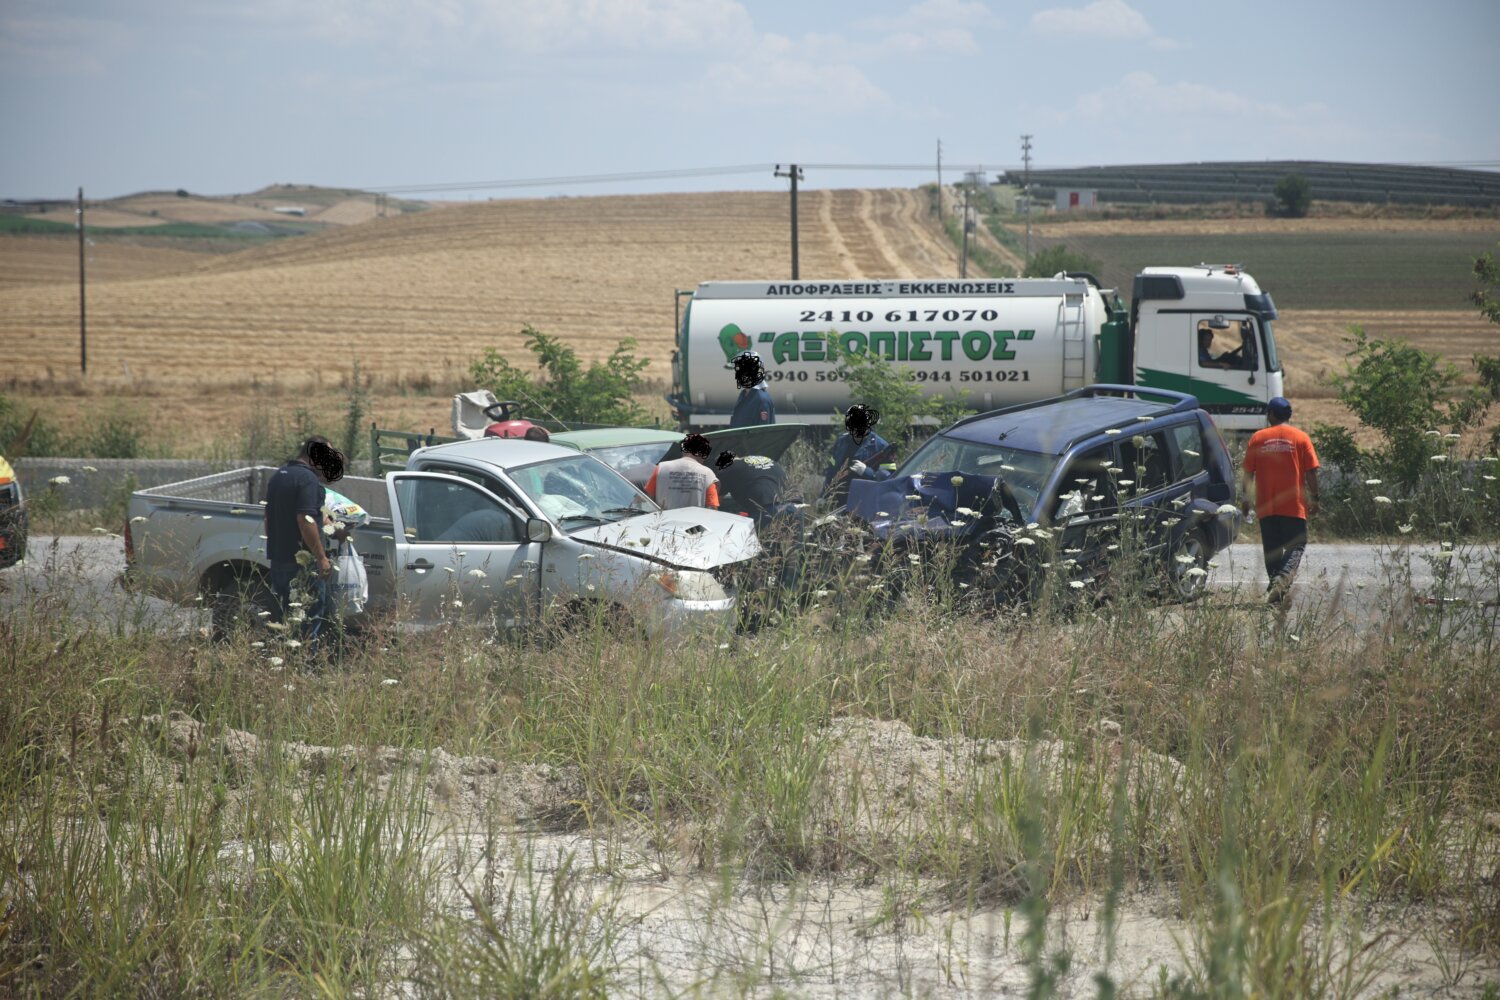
[562, 180]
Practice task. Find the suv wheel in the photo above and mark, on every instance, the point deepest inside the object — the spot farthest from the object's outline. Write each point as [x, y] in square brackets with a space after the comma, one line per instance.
[1189, 555]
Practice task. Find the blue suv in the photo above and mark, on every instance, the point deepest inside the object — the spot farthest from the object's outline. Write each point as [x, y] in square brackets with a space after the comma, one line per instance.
[1068, 473]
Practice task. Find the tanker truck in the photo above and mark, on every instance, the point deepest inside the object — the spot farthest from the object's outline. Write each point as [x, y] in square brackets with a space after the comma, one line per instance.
[992, 342]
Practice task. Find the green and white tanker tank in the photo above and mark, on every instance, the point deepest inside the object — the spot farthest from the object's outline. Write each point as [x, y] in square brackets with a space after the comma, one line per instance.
[990, 341]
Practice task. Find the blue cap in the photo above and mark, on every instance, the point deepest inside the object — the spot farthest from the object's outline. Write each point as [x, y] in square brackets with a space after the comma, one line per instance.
[1280, 407]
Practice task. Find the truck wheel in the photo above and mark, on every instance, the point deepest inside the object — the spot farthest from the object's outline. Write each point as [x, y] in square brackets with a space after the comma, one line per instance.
[235, 605]
[1187, 566]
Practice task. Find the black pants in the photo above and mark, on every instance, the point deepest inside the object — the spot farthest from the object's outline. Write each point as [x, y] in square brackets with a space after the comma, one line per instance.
[1283, 539]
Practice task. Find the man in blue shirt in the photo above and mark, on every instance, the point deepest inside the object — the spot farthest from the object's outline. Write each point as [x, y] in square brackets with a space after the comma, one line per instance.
[754, 407]
[858, 453]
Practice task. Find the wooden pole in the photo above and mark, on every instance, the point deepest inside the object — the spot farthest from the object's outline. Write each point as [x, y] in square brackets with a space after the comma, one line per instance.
[83, 321]
[795, 173]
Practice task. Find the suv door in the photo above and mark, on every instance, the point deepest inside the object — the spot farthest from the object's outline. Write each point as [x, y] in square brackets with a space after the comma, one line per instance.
[1085, 509]
[459, 549]
[1171, 474]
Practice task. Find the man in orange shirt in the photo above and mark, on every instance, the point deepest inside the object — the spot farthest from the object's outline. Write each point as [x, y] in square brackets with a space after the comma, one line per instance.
[1283, 467]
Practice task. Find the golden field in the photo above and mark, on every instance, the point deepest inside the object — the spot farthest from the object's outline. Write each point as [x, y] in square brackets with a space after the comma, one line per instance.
[191, 337]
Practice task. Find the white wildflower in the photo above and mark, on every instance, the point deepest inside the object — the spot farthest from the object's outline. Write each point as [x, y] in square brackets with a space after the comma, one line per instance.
[138, 519]
[477, 573]
[1451, 436]
[276, 661]
[458, 604]
[957, 480]
[1372, 482]
[1382, 499]
[59, 480]
[389, 682]
[1025, 541]
[1076, 584]
[293, 643]
[449, 569]
[100, 531]
[1440, 458]
[1196, 571]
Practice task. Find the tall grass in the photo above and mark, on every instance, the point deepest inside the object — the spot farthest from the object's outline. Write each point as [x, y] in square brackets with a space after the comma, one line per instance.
[1284, 781]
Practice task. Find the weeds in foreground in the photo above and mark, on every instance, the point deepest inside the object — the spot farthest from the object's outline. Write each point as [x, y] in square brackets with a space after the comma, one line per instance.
[1283, 784]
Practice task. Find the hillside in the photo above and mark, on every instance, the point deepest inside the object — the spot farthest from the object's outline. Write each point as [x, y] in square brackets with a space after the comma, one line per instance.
[424, 293]
[205, 339]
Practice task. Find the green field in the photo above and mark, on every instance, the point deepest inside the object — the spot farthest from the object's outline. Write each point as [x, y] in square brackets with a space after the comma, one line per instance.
[181, 230]
[1397, 270]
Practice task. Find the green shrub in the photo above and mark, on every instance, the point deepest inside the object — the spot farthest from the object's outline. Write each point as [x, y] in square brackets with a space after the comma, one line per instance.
[563, 389]
[27, 433]
[1293, 197]
[887, 387]
[1054, 260]
[1406, 394]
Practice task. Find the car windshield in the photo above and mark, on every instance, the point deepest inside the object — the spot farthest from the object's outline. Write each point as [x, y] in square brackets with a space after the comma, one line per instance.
[580, 492]
[1025, 471]
[631, 456]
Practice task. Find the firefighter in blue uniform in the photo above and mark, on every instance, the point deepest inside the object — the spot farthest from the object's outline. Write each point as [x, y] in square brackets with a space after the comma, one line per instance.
[857, 454]
[754, 407]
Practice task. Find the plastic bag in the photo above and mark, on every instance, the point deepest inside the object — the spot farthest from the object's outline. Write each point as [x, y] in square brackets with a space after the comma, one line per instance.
[350, 587]
[344, 510]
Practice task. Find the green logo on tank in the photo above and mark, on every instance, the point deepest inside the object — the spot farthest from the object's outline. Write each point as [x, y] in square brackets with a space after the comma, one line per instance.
[733, 340]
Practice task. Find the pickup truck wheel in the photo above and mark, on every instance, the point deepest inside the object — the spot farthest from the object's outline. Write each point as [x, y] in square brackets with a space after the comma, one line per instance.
[235, 605]
[1187, 567]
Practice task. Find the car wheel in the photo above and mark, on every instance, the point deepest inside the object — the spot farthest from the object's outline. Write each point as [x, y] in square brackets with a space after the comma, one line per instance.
[236, 605]
[1187, 568]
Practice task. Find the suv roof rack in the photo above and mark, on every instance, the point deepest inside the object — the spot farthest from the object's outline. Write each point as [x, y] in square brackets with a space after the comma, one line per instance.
[1179, 402]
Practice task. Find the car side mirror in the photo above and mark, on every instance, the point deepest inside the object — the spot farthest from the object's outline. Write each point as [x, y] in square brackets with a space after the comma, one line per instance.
[538, 530]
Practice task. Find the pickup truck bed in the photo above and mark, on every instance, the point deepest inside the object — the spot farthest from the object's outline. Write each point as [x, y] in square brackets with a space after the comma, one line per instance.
[205, 538]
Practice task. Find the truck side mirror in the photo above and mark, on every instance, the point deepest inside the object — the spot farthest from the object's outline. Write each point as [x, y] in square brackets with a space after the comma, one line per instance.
[538, 530]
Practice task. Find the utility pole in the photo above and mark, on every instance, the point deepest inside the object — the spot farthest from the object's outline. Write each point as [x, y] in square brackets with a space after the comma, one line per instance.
[794, 173]
[963, 259]
[940, 181]
[1026, 188]
[83, 324]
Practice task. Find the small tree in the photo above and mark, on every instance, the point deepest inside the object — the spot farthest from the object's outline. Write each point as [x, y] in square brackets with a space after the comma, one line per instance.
[563, 389]
[887, 387]
[1406, 394]
[1057, 259]
[1293, 197]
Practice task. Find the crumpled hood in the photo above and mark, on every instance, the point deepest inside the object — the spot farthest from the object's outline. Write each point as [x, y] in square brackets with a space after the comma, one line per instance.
[688, 538]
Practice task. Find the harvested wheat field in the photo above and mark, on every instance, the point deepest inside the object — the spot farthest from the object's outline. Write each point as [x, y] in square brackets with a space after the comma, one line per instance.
[417, 294]
[415, 298]
[44, 260]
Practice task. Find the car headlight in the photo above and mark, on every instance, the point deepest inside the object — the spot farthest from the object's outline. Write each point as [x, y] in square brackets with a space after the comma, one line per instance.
[690, 585]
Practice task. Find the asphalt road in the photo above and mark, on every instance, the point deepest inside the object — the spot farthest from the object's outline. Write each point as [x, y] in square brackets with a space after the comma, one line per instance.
[77, 575]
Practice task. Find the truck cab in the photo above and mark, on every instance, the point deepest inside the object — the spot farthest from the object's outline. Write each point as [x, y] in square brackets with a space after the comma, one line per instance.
[1207, 331]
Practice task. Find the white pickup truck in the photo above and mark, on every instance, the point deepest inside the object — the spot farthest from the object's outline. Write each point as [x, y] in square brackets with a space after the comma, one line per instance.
[497, 529]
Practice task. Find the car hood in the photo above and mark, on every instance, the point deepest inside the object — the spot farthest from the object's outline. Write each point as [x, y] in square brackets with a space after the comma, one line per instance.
[687, 538]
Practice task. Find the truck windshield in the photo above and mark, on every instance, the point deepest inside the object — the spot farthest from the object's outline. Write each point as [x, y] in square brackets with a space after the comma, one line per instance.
[580, 492]
[1024, 471]
[1273, 363]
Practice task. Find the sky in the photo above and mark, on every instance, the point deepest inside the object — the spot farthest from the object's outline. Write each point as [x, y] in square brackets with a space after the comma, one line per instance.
[636, 95]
